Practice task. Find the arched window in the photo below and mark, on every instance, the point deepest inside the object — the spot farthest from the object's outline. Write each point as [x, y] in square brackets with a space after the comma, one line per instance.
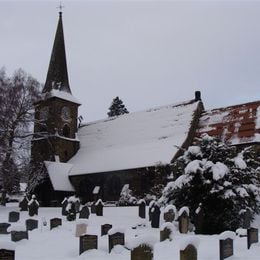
[66, 131]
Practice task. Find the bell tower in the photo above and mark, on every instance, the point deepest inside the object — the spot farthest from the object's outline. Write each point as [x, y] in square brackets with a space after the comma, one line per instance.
[55, 129]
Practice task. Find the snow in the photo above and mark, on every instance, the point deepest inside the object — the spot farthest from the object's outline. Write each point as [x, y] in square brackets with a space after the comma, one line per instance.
[239, 162]
[62, 95]
[115, 230]
[219, 170]
[141, 240]
[227, 234]
[58, 173]
[189, 241]
[139, 139]
[141, 201]
[193, 166]
[16, 227]
[195, 150]
[170, 207]
[167, 225]
[61, 243]
[8, 245]
[184, 209]
[242, 192]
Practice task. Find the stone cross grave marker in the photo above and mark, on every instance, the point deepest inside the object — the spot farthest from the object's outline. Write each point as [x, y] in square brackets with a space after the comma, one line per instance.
[115, 239]
[184, 222]
[19, 235]
[87, 242]
[55, 222]
[14, 216]
[4, 227]
[225, 248]
[165, 234]
[99, 208]
[189, 253]
[81, 229]
[142, 252]
[156, 217]
[23, 204]
[84, 213]
[6, 254]
[252, 236]
[77, 206]
[141, 209]
[31, 224]
[199, 221]
[151, 205]
[33, 207]
[105, 228]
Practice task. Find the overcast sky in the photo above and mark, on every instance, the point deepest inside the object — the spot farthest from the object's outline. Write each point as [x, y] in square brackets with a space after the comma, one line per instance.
[149, 53]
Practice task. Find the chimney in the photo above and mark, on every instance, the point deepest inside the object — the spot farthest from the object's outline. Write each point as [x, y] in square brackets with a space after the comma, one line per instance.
[197, 96]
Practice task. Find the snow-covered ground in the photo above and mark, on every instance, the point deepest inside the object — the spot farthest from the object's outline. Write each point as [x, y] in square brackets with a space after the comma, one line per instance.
[61, 244]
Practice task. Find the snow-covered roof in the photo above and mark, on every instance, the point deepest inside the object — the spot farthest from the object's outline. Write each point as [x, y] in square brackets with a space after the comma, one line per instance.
[237, 124]
[60, 94]
[135, 140]
[58, 173]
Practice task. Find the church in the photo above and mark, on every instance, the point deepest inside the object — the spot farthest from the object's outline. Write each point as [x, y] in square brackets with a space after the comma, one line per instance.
[98, 158]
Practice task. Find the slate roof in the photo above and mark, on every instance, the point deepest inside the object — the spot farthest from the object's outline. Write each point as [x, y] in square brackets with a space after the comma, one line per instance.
[239, 124]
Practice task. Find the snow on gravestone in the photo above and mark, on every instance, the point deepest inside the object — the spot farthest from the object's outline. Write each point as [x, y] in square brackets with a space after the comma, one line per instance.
[169, 213]
[252, 236]
[64, 205]
[226, 244]
[156, 216]
[14, 216]
[105, 228]
[189, 253]
[87, 242]
[33, 206]
[99, 207]
[141, 208]
[116, 236]
[31, 224]
[55, 222]
[151, 205]
[7, 250]
[166, 231]
[184, 220]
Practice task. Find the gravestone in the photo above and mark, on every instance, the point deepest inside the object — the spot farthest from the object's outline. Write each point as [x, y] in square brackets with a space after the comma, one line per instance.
[189, 253]
[77, 206]
[31, 224]
[105, 228]
[23, 205]
[33, 206]
[225, 248]
[141, 209]
[115, 239]
[245, 217]
[156, 217]
[252, 236]
[151, 205]
[71, 211]
[99, 208]
[4, 227]
[165, 234]
[81, 229]
[19, 235]
[64, 204]
[3, 197]
[6, 254]
[169, 216]
[87, 242]
[84, 213]
[55, 222]
[142, 252]
[13, 216]
[184, 223]
[199, 221]
[93, 208]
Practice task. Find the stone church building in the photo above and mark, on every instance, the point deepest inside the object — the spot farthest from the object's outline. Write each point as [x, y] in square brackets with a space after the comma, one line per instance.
[99, 158]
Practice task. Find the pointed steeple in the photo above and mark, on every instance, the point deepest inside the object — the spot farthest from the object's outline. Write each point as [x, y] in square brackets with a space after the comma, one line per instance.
[57, 77]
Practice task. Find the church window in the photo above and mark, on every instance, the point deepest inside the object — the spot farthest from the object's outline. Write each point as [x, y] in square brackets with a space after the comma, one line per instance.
[66, 131]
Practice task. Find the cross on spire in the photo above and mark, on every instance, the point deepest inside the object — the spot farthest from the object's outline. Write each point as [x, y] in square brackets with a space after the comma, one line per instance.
[60, 7]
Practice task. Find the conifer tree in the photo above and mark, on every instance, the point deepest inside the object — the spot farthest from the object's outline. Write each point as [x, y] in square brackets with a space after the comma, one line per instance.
[117, 108]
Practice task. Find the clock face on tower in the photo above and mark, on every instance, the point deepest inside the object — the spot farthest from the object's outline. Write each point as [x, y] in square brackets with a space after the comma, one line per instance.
[65, 114]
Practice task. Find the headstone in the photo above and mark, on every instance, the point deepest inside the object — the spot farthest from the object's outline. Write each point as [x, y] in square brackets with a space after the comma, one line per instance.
[199, 221]
[23, 205]
[225, 248]
[87, 242]
[184, 222]
[55, 222]
[115, 239]
[252, 236]
[165, 234]
[13, 216]
[33, 206]
[105, 228]
[151, 205]
[19, 235]
[3, 197]
[3, 228]
[156, 217]
[99, 208]
[6, 254]
[71, 215]
[189, 253]
[169, 216]
[31, 224]
[142, 252]
[64, 204]
[141, 209]
[81, 229]
[77, 206]
[84, 213]
[245, 217]
[93, 208]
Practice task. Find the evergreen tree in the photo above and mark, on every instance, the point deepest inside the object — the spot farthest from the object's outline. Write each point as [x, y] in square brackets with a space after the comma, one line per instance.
[117, 108]
[221, 180]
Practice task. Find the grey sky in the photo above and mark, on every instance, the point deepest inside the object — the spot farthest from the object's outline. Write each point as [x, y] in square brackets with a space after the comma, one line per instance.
[149, 53]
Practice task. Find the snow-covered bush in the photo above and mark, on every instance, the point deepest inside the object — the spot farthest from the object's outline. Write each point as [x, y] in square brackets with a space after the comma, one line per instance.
[126, 197]
[219, 177]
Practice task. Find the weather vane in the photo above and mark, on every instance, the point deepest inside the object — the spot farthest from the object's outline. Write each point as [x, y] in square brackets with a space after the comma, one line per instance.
[60, 7]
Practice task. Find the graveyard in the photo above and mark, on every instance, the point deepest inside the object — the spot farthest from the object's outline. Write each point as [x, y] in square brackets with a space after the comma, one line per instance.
[118, 233]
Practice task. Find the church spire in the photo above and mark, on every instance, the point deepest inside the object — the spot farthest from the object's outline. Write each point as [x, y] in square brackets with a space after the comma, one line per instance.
[57, 76]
